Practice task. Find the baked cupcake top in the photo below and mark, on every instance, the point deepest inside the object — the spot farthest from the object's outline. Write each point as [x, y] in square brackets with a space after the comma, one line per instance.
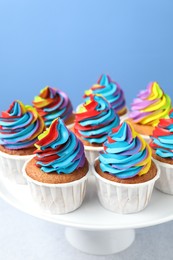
[126, 154]
[162, 138]
[59, 150]
[150, 105]
[95, 119]
[52, 103]
[20, 126]
[111, 91]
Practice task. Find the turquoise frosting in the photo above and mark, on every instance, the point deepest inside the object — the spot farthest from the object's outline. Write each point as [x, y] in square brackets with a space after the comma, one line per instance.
[162, 137]
[53, 103]
[59, 150]
[125, 153]
[98, 120]
[19, 126]
[111, 91]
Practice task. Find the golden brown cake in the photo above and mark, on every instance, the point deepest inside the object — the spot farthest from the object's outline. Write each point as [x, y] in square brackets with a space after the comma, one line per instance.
[136, 179]
[142, 129]
[37, 174]
[25, 151]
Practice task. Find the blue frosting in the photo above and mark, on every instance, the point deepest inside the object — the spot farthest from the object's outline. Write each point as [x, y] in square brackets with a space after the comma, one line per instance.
[125, 154]
[95, 128]
[20, 126]
[63, 145]
[53, 103]
[111, 91]
[162, 138]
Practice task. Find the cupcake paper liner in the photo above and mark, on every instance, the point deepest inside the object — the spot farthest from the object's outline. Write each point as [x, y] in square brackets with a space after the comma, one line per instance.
[165, 182]
[146, 138]
[124, 198]
[11, 167]
[70, 126]
[92, 153]
[124, 117]
[57, 198]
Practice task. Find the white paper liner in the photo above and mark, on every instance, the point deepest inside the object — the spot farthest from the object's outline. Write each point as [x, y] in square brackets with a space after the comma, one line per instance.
[146, 138]
[70, 126]
[124, 117]
[124, 198]
[92, 153]
[77, 108]
[57, 198]
[11, 167]
[165, 182]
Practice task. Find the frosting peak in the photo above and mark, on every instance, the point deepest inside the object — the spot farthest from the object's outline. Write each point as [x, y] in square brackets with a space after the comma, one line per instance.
[19, 126]
[126, 154]
[95, 119]
[111, 91]
[162, 137]
[150, 105]
[52, 103]
[59, 150]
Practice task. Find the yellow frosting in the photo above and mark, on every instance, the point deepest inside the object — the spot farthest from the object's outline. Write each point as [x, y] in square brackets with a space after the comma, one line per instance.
[159, 109]
[146, 161]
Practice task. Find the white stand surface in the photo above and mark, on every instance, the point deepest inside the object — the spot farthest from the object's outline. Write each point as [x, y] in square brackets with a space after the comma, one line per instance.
[91, 228]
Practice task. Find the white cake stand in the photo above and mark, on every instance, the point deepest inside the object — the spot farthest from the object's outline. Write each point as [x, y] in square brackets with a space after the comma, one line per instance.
[91, 228]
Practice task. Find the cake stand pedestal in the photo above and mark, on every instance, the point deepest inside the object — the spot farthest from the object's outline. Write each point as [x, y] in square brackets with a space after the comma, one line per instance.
[91, 228]
[100, 242]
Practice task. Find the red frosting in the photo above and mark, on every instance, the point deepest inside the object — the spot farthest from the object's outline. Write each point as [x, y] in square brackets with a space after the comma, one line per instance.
[162, 129]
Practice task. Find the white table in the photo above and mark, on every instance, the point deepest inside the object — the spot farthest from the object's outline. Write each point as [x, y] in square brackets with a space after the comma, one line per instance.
[23, 237]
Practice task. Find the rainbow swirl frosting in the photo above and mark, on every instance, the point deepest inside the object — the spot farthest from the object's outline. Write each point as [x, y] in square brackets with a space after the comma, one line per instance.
[151, 105]
[126, 154]
[162, 137]
[111, 91]
[59, 150]
[52, 103]
[95, 119]
[20, 126]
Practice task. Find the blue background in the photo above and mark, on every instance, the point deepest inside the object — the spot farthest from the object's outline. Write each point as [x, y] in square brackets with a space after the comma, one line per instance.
[68, 44]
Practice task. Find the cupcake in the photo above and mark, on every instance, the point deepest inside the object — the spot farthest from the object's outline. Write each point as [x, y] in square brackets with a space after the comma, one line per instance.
[20, 126]
[125, 174]
[93, 121]
[147, 109]
[112, 92]
[53, 103]
[58, 173]
[162, 147]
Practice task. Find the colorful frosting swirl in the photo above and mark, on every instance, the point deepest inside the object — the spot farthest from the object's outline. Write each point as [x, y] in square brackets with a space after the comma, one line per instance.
[59, 150]
[111, 91]
[151, 105]
[20, 126]
[95, 119]
[162, 137]
[52, 103]
[126, 154]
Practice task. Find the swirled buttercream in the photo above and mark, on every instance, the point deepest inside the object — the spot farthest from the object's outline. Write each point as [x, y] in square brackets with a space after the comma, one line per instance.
[111, 91]
[20, 126]
[52, 103]
[162, 137]
[59, 150]
[150, 105]
[95, 119]
[126, 154]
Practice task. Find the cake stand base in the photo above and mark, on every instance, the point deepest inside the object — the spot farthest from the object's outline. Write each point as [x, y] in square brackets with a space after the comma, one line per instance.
[100, 242]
